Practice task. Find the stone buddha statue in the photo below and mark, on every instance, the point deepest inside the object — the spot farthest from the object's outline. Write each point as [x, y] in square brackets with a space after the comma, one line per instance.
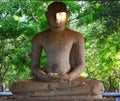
[65, 61]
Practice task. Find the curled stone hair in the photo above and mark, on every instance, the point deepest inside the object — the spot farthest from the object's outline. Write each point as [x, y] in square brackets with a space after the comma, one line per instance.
[58, 6]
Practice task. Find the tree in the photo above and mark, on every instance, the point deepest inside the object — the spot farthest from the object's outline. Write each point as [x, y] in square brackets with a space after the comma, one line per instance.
[102, 43]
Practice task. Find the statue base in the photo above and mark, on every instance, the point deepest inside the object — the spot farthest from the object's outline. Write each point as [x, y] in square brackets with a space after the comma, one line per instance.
[80, 89]
[55, 98]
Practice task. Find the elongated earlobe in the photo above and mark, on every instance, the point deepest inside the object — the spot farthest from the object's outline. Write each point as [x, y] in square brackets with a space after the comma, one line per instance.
[68, 13]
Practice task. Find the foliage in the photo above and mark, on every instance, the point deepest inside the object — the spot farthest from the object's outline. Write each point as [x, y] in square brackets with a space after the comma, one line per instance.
[99, 22]
[102, 44]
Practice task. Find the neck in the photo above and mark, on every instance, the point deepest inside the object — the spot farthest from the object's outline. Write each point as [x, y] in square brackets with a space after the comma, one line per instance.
[58, 33]
[59, 29]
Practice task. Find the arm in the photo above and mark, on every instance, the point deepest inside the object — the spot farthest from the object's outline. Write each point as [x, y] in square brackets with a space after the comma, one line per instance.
[36, 54]
[77, 59]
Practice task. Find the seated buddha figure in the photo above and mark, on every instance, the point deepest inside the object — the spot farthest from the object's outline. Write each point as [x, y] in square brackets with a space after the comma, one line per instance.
[65, 61]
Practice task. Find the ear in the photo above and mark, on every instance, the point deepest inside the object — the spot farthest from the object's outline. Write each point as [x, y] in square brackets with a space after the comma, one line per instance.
[68, 13]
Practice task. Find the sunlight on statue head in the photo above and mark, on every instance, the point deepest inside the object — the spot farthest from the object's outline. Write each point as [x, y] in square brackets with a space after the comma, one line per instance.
[61, 15]
[57, 16]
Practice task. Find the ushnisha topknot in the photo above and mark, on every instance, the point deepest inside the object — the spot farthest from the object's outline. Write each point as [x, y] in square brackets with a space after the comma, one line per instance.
[57, 6]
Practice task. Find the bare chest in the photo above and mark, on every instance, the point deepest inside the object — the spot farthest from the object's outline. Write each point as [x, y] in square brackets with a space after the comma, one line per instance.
[58, 43]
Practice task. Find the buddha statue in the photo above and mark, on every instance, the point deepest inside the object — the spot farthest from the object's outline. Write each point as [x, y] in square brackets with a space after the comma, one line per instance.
[65, 61]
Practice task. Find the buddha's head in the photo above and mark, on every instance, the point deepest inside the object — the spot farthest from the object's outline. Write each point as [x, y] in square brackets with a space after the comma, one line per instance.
[57, 16]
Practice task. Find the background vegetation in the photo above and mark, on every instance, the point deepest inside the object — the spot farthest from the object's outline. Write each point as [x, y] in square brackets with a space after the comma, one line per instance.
[98, 21]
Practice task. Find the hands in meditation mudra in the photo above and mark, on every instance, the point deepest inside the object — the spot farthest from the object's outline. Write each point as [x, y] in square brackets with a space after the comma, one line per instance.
[65, 61]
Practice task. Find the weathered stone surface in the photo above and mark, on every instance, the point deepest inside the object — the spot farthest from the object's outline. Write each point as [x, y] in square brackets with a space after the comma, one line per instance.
[57, 98]
[80, 86]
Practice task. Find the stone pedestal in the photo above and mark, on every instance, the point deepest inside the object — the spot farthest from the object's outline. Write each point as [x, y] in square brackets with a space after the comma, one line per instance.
[56, 98]
[80, 89]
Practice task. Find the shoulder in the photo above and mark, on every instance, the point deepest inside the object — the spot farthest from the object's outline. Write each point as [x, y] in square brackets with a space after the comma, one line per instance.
[39, 36]
[76, 35]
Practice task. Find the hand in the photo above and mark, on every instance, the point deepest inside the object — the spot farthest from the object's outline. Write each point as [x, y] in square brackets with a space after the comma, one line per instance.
[45, 77]
[64, 78]
[54, 75]
[58, 77]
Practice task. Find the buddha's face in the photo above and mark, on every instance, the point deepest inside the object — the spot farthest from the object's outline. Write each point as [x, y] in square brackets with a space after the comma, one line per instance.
[57, 20]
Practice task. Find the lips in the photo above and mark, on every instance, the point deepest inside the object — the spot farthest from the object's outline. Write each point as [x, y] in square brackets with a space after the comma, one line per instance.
[57, 25]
